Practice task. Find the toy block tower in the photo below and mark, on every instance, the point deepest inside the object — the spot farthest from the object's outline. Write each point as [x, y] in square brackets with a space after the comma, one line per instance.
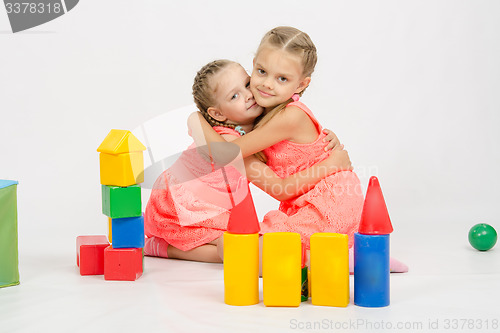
[9, 271]
[371, 251]
[122, 168]
[241, 254]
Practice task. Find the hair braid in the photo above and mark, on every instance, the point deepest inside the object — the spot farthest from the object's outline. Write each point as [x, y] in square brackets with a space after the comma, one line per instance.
[203, 89]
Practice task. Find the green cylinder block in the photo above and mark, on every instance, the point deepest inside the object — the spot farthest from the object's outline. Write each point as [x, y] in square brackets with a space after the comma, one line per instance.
[9, 269]
[120, 202]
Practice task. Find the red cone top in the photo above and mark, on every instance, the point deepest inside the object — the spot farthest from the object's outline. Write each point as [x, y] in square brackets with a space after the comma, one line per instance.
[375, 217]
[243, 218]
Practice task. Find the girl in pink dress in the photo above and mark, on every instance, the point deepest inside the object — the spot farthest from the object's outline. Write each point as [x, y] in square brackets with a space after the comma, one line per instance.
[189, 206]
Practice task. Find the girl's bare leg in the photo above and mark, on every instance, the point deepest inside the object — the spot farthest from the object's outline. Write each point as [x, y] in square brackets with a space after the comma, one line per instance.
[204, 253]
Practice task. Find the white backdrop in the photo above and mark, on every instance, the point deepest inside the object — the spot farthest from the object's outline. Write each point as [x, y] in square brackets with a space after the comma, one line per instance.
[410, 87]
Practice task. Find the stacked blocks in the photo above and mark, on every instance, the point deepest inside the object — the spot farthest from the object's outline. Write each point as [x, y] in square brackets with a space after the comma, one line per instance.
[9, 271]
[241, 254]
[281, 269]
[122, 168]
[371, 251]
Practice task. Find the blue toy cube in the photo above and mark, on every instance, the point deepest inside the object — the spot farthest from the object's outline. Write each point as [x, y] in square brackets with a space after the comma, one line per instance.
[128, 232]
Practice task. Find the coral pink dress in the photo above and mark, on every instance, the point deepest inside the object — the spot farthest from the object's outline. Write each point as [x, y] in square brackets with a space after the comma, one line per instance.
[189, 204]
[333, 205]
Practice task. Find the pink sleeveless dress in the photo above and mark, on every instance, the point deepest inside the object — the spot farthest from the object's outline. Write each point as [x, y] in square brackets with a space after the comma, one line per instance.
[189, 204]
[333, 205]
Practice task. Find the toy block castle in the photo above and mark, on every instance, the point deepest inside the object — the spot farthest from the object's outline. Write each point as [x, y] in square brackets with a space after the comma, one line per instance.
[283, 270]
[118, 256]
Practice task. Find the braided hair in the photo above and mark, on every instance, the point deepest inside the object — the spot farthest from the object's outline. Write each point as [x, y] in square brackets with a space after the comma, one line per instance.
[203, 89]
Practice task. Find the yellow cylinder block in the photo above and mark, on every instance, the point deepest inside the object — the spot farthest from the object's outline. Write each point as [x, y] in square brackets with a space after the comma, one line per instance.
[281, 269]
[241, 269]
[330, 269]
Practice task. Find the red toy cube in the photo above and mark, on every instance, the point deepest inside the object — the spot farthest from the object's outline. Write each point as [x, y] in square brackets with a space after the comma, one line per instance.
[122, 264]
[90, 254]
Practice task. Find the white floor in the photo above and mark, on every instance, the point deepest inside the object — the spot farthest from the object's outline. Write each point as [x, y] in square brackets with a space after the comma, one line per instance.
[450, 287]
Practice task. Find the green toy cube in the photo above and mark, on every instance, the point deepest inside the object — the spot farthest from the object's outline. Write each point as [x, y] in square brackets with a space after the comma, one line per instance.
[119, 202]
[9, 269]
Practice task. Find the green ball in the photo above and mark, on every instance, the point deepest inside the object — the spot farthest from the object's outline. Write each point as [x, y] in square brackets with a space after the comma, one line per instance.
[482, 237]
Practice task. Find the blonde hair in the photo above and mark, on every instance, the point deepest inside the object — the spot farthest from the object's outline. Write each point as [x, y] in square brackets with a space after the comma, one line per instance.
[204, 89]
[297, 43]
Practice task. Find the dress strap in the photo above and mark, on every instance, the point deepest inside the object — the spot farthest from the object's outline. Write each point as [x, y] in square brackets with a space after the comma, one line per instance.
[308, 112]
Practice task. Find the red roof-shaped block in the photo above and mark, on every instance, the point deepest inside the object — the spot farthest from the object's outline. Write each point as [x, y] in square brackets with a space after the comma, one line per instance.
[243, 218]
[375, 217]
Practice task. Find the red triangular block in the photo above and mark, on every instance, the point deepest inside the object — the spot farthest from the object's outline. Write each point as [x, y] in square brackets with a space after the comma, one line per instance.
[375, 217]
[243, 218]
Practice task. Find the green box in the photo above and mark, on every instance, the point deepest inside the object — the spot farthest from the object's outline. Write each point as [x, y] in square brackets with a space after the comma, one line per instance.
[9, 261]
[119, 202]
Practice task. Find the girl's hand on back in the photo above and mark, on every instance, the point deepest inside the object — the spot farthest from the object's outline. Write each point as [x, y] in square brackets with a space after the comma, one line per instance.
[331, 139]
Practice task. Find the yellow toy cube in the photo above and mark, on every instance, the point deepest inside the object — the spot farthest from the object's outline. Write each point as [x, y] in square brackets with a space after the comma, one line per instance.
[122, 169]
[121, 159]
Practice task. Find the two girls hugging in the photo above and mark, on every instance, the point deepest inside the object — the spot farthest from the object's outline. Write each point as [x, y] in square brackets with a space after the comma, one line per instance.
[285, 151]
